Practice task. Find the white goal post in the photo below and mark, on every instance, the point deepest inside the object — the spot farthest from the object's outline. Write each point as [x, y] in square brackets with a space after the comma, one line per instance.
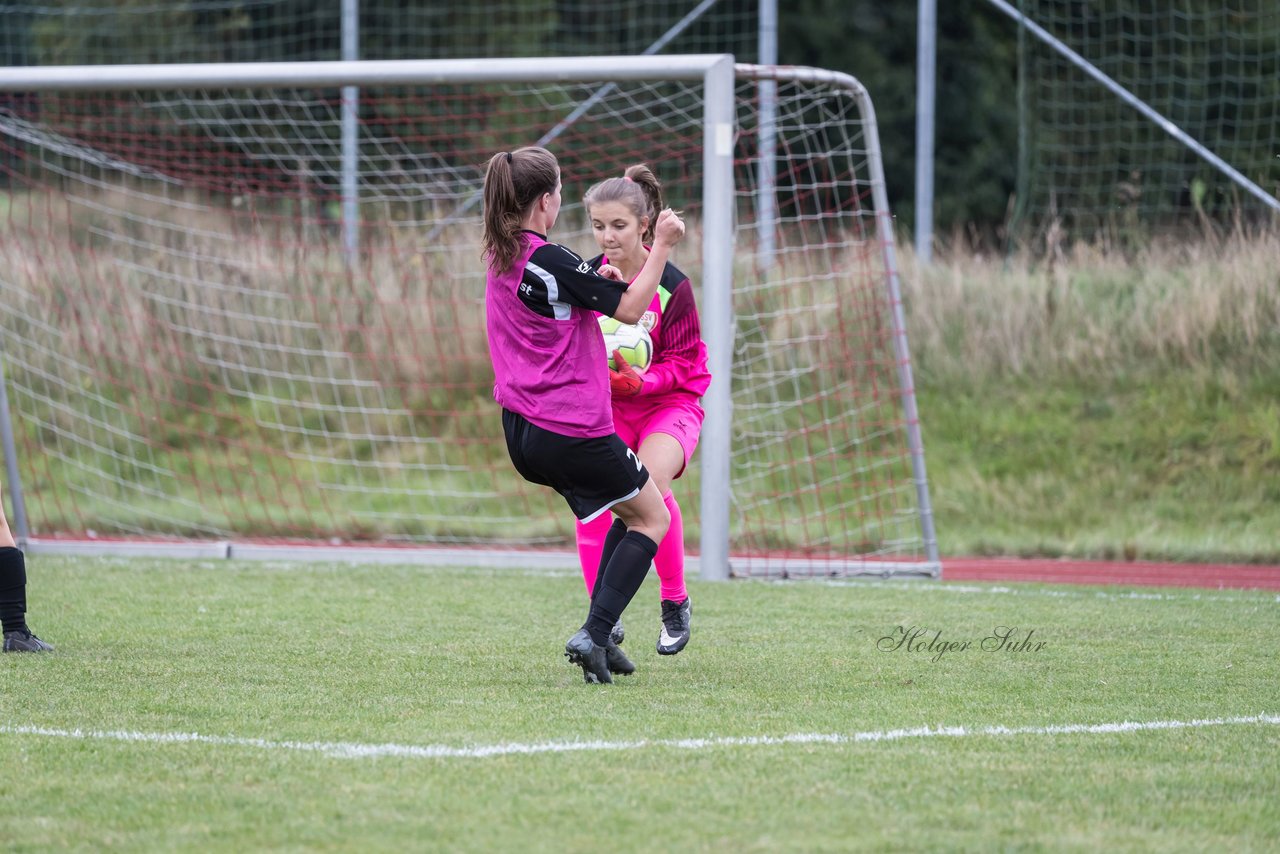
[240, 308]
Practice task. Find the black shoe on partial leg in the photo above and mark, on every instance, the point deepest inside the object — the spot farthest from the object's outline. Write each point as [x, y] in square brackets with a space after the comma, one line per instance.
[22, 640]
[13, 603]
[584, 652]
[617, 659]
[675, 626]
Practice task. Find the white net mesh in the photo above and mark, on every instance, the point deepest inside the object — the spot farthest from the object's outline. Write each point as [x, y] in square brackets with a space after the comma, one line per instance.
[190, 355]
[1094, 167]
[92, 32]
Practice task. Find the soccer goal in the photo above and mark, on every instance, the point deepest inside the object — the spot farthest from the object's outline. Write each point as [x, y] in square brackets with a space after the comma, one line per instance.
[242, 308]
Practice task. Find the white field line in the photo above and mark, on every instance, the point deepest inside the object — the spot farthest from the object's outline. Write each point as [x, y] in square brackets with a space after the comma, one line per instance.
[351, 750]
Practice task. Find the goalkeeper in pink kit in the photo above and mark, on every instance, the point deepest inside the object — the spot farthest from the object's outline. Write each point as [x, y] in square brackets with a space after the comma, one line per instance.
[658, 413]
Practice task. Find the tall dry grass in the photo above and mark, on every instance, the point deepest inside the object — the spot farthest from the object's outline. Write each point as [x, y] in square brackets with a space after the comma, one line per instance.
[1085, 311]
[175, 289]
[172, 289]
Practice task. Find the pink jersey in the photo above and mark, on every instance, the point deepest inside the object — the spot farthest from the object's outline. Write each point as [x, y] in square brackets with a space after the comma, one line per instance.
[549, 363]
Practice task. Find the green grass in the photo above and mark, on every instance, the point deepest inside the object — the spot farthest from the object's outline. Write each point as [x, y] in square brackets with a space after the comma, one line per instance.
[1179, 466]
[1169, 465]
[1094, 403]
[471, 658]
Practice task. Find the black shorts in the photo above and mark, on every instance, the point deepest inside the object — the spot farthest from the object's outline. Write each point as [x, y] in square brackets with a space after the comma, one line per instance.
[591, 474]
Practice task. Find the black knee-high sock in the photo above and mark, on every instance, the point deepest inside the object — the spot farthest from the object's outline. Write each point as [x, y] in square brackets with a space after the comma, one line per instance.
[612, 537]
[618, 583]
[13, 589]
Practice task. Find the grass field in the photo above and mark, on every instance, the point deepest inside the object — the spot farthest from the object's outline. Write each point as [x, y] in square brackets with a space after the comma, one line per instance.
[234, 706]
[1171, 466]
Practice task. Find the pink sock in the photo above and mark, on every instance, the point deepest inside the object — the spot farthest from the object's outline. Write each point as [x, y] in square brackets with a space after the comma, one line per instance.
[669, 561]
[591, 546]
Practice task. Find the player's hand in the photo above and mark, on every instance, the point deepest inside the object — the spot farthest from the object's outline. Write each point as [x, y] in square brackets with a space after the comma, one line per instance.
[669, 228]
[610, 272]
[624, 382]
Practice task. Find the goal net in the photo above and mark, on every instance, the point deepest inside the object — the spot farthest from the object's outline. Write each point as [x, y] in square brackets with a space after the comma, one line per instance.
[101, 32]
[243, 305]
[1096, 167]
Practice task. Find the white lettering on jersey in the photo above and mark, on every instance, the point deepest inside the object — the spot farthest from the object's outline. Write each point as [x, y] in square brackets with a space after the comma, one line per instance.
[635, 459]
[562, 310]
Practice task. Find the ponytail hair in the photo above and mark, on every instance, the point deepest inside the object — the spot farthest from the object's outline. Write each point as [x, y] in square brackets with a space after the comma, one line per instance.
[638, 189]
[513, 181]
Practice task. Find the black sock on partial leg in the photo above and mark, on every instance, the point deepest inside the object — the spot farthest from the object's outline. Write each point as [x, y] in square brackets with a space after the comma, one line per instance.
[612, 537]
[13, 589]
[617, 584]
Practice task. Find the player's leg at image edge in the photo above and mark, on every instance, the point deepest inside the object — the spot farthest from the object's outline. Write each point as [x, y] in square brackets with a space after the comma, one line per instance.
[13, 604]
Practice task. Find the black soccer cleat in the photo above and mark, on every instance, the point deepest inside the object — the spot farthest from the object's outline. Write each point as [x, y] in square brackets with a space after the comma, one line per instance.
[583, 651]
[617, 633]
[617, 659]
[21, 640]
[675, 626]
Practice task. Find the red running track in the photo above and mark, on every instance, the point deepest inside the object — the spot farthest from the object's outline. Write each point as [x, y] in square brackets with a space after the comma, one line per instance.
[1044, 570]
[1068, 571]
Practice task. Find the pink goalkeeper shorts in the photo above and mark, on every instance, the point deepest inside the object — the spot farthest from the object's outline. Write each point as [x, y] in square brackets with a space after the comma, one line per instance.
[681, 419]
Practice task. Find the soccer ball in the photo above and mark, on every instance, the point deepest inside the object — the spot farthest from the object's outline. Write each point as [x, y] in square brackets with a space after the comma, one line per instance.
[631, 339]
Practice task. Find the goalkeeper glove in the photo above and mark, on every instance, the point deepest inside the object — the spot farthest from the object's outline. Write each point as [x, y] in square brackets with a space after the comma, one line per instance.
[624, 382]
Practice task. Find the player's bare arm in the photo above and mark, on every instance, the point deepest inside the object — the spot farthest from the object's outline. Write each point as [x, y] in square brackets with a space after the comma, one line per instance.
[667, 233]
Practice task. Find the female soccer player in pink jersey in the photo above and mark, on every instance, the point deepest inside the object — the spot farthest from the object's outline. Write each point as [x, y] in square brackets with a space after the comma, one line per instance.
[552, 381]
[657, 413]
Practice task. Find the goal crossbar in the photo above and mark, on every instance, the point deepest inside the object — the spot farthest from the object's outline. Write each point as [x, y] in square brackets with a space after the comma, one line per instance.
[368, 72]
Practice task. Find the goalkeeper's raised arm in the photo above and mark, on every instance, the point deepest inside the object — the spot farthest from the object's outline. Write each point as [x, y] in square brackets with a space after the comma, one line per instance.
[668, 232]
